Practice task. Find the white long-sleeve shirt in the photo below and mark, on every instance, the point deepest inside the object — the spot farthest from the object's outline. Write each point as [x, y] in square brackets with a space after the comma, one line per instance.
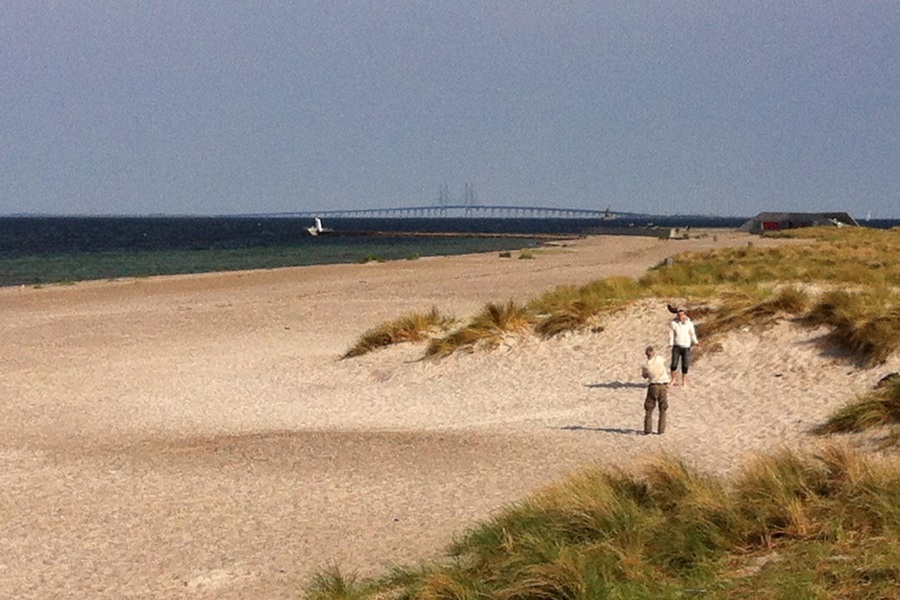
[682, 333]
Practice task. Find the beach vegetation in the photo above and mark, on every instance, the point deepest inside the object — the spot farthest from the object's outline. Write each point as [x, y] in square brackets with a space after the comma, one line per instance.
[594, 296]
[572, 308]
[878, 408]
[414, 327]
[332, 584]
[526, 255]
[838, 280]
[487, 328]
[506, 254]
[818, 525]
[562, 321]
[864, 323]
[740, 309]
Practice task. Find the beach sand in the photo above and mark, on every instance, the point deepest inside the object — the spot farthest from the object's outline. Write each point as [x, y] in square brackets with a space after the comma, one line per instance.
[198, 436]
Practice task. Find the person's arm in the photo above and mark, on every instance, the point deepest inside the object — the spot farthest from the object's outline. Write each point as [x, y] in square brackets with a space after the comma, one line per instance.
[671, 333]
[693, 333]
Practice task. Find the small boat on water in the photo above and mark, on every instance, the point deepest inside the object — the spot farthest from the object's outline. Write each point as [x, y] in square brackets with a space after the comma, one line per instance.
[317, 229]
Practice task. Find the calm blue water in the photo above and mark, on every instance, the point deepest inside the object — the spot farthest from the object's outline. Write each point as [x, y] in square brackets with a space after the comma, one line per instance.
[28, 236]
[36, 250]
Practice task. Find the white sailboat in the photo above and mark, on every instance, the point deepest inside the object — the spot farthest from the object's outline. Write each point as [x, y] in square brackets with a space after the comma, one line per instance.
[317, 228]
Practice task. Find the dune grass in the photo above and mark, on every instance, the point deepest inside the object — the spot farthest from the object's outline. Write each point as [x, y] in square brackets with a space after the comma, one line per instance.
[865, 323]
[409, 328]
[487, 329]
[851, 269]
[843, 279]
[732, 288]
[878, 408]
[787, 524]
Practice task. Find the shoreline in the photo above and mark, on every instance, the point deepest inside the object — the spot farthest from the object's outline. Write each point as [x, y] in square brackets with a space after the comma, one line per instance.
[80, 267]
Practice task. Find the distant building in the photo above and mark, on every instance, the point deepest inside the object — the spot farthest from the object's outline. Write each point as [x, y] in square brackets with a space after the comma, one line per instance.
[772, 221]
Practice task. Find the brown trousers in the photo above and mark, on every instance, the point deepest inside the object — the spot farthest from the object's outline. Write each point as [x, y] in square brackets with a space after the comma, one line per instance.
[657, 393]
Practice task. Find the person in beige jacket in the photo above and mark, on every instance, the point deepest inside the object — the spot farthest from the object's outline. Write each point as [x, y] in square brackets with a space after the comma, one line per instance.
[654, 370]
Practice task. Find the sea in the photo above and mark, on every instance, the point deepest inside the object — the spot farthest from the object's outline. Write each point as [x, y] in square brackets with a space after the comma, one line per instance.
[38, 250]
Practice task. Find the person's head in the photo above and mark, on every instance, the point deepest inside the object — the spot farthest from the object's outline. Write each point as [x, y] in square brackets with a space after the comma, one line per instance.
[650, 351]
[681, 315]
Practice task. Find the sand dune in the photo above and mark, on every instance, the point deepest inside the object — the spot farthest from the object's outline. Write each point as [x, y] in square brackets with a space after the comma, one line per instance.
[197, 436]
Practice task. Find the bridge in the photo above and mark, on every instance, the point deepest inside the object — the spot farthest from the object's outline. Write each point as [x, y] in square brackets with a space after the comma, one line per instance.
[464, 211]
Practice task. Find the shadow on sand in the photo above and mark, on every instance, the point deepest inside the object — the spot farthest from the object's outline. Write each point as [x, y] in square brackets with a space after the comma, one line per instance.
[616, 385]
[601, 429]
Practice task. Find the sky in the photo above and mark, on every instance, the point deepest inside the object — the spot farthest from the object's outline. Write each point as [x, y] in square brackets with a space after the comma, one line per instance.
[220, 107]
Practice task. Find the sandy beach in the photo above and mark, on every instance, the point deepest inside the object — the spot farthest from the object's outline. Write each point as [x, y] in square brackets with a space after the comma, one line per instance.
[198, 436]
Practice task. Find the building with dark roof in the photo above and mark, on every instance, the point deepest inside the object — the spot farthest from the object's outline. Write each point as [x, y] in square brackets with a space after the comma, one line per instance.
[777, 221]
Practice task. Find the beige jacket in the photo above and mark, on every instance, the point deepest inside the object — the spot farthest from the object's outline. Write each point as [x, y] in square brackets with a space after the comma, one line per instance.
[655, 370]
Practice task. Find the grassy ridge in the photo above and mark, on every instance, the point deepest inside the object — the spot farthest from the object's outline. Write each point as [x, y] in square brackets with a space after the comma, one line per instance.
[410, 328]
[842, 279]
[788, 526]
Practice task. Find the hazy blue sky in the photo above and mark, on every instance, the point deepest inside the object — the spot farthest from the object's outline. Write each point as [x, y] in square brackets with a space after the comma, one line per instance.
[239, 106]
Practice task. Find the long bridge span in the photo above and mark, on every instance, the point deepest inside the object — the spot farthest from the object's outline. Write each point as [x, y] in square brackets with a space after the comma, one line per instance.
[463, 211]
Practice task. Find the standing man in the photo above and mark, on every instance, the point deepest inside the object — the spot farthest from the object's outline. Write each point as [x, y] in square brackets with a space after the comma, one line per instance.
[681, 337]
[654, 370]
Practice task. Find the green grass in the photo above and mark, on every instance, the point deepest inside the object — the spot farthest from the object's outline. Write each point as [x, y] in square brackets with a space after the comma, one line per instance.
[824, 525]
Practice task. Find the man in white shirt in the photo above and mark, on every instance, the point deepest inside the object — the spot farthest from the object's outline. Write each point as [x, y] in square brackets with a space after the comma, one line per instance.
[654, 370]
[681, 337]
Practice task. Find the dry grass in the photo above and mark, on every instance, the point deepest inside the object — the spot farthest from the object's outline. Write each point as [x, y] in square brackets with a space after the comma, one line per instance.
[410, 328]
[729, 288]
[878, 408]
[487, 328]
[864, 323]
[666, 529]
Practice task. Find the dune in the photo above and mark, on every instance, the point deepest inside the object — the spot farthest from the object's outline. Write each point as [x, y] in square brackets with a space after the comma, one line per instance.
[198, 437]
